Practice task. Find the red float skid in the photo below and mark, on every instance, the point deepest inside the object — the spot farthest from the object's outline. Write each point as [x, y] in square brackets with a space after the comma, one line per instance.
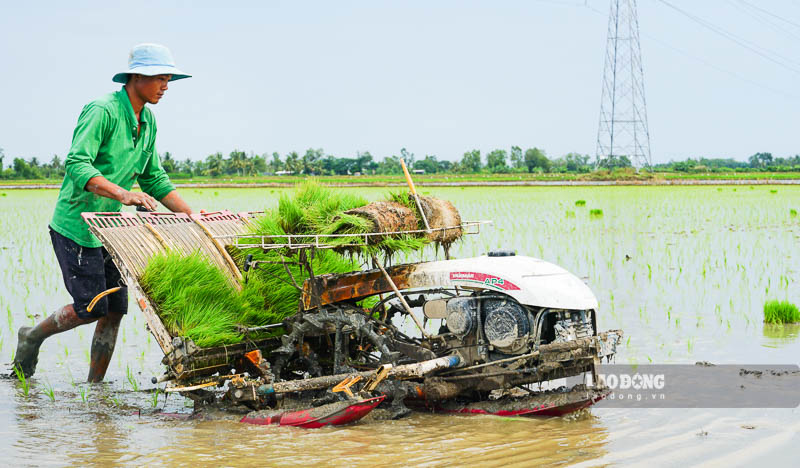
[333, 414]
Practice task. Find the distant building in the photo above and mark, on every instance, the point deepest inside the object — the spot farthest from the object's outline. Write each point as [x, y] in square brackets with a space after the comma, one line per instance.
[418, 171]
[279, 173]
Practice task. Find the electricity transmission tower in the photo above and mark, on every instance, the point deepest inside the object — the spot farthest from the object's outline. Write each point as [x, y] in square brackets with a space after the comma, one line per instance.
[623, 127]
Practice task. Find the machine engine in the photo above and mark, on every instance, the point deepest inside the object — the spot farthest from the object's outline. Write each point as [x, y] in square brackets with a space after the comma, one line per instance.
[508, 327]
[503, 322]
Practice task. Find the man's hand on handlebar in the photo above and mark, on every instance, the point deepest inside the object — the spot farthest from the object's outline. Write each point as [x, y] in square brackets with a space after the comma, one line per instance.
[138, 199]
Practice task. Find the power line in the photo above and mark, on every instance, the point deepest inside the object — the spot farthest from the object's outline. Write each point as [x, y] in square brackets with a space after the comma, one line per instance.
[706, 62]
[723, 70]
[761, 18]
[755, 7]
[742, 42]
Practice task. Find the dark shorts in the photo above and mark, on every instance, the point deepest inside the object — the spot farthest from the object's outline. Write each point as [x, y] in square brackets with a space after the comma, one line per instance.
[87, 272]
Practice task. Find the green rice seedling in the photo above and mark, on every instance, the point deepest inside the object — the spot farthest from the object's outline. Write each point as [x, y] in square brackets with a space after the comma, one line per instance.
[24, 386]
[154, 398]
[570, 214]
[132, 379]
[792, 212]
[781, 312]
[48, 390]
[83, 393]
[193, 297]
[268, 293]
[596, 213]
[580, 202]
[310, 209]
[314, 209]
[773, 191]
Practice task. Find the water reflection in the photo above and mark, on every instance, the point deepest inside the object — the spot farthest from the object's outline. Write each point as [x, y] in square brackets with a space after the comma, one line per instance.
[777, 335]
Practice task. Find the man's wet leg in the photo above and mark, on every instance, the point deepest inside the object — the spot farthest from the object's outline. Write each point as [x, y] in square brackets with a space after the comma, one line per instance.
[31, 338]
[105, 337]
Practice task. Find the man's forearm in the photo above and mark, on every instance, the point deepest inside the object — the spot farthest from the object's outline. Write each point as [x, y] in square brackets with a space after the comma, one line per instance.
[175, 203]
[105, 188]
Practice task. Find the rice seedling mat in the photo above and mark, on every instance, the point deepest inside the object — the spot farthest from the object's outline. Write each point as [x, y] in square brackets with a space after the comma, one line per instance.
[132, 239]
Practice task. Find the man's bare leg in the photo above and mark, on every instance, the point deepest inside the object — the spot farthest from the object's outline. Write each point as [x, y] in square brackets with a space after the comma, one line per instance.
[31, 338]
[105, 337]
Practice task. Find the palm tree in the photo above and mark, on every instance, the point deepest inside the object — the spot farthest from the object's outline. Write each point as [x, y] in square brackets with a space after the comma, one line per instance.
[214, 165]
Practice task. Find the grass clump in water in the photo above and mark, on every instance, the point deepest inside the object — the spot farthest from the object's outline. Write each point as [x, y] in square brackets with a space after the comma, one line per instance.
[596, 213]
[781, 312]
[580, 202]
[570, 214]
[792, 212]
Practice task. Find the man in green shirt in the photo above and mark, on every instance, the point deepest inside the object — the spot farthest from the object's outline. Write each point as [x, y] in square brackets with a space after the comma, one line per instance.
[113, 147]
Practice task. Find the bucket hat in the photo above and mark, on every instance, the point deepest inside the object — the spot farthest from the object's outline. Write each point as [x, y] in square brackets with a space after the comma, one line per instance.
[150, 60]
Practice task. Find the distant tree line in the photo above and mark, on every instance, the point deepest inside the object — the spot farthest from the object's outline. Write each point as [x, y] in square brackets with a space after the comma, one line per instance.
[757, 162]
[316, 162]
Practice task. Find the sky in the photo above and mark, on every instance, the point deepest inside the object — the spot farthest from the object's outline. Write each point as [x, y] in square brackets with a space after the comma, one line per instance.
[436, 78]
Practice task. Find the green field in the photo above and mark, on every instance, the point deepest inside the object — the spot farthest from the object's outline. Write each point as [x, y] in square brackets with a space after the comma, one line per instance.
[455, 179]
[684, 271]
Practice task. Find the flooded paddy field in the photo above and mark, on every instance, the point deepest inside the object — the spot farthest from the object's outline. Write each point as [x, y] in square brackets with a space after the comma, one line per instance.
[684, 271]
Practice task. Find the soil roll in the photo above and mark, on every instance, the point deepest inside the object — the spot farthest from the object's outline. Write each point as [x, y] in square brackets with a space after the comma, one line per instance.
[441, 214]
[386, 216]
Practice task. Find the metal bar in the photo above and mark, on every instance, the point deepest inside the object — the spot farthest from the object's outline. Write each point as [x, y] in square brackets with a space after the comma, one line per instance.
[500, 361]
[463, 225]
[231, 264]
[402, 299]
[261, 328]
[416, 197]
[405, 371]
[317, 243]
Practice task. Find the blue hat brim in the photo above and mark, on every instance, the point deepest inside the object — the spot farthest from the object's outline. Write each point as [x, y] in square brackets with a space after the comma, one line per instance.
[150, 70]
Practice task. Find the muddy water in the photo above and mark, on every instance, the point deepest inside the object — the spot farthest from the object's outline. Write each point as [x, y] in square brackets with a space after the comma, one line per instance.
[684, 271]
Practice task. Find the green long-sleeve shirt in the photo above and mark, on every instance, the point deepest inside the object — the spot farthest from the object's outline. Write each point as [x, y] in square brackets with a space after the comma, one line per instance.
[105, 143]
